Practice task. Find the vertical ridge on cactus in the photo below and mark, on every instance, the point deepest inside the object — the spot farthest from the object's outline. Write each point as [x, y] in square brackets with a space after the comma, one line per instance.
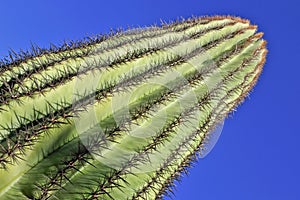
[121, 116]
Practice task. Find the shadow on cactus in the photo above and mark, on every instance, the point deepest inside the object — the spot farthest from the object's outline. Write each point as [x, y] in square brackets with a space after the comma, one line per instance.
[121, 116]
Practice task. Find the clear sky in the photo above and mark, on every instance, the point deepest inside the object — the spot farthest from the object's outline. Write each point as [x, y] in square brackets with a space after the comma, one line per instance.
[257, 156]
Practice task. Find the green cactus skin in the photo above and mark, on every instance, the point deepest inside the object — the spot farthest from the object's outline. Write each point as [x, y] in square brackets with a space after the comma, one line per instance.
[121, 116]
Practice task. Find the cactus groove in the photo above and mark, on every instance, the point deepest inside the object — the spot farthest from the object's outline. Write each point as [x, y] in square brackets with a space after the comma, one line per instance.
[121, 116]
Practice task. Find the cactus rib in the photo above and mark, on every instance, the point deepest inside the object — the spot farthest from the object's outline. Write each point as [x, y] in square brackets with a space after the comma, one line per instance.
[62, 76]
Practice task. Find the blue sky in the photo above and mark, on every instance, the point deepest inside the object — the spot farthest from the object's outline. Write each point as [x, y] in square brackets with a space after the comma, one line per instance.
[257, 156]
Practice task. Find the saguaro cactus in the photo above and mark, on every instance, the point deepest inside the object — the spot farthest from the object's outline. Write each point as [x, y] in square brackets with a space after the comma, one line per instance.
[121, 116]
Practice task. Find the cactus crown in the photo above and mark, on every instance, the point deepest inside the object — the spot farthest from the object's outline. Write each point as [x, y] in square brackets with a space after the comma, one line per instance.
[121, 116]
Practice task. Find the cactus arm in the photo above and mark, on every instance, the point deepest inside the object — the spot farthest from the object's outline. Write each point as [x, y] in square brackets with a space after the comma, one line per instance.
[50, 138]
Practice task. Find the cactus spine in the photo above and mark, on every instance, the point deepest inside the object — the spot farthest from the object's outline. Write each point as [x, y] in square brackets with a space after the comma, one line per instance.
[121, 116]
